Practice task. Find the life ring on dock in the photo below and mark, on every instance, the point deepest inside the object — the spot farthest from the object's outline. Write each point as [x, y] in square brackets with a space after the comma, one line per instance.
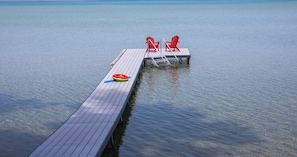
[120, 77]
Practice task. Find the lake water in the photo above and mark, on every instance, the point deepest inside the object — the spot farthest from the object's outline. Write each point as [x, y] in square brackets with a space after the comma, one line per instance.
[237, 97]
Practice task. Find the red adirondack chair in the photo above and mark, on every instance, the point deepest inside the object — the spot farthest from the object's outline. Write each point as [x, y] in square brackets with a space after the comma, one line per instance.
[172, 45]
[151, 44]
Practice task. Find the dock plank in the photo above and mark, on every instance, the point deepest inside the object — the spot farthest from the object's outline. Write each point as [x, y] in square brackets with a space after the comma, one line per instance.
[184, 52]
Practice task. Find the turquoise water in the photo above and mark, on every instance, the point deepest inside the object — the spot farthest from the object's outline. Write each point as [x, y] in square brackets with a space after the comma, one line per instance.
[237, 97]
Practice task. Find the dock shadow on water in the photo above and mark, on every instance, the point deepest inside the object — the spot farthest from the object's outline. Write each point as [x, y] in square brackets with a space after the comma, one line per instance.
[161, 128]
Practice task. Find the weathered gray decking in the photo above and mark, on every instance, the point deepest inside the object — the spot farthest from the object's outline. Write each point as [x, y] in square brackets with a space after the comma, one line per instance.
[88, 130]
[184, 52]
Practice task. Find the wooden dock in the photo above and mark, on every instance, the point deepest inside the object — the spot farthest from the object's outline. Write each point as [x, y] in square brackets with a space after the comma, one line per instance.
[90, 127]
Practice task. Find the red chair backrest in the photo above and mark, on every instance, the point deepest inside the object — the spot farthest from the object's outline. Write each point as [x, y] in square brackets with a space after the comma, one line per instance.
[150, 42]
[174, 40]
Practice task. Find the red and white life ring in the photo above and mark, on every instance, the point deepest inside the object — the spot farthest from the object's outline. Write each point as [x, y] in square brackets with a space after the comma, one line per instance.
[120, 77]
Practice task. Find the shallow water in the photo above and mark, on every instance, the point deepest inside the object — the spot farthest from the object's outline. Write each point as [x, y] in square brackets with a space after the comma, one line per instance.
[237, 97]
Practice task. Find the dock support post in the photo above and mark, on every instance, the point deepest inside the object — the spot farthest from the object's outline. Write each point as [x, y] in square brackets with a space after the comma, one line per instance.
[188, 60]
[121, 122]
[111, 141]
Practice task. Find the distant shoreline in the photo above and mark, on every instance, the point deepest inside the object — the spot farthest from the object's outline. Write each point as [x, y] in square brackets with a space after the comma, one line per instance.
[129, 2]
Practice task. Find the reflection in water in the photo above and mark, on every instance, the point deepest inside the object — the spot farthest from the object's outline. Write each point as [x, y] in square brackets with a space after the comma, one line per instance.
[155, 76]
[174, 79]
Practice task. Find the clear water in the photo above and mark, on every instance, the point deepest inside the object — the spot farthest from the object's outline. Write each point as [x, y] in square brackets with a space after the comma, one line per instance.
[238, 96]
